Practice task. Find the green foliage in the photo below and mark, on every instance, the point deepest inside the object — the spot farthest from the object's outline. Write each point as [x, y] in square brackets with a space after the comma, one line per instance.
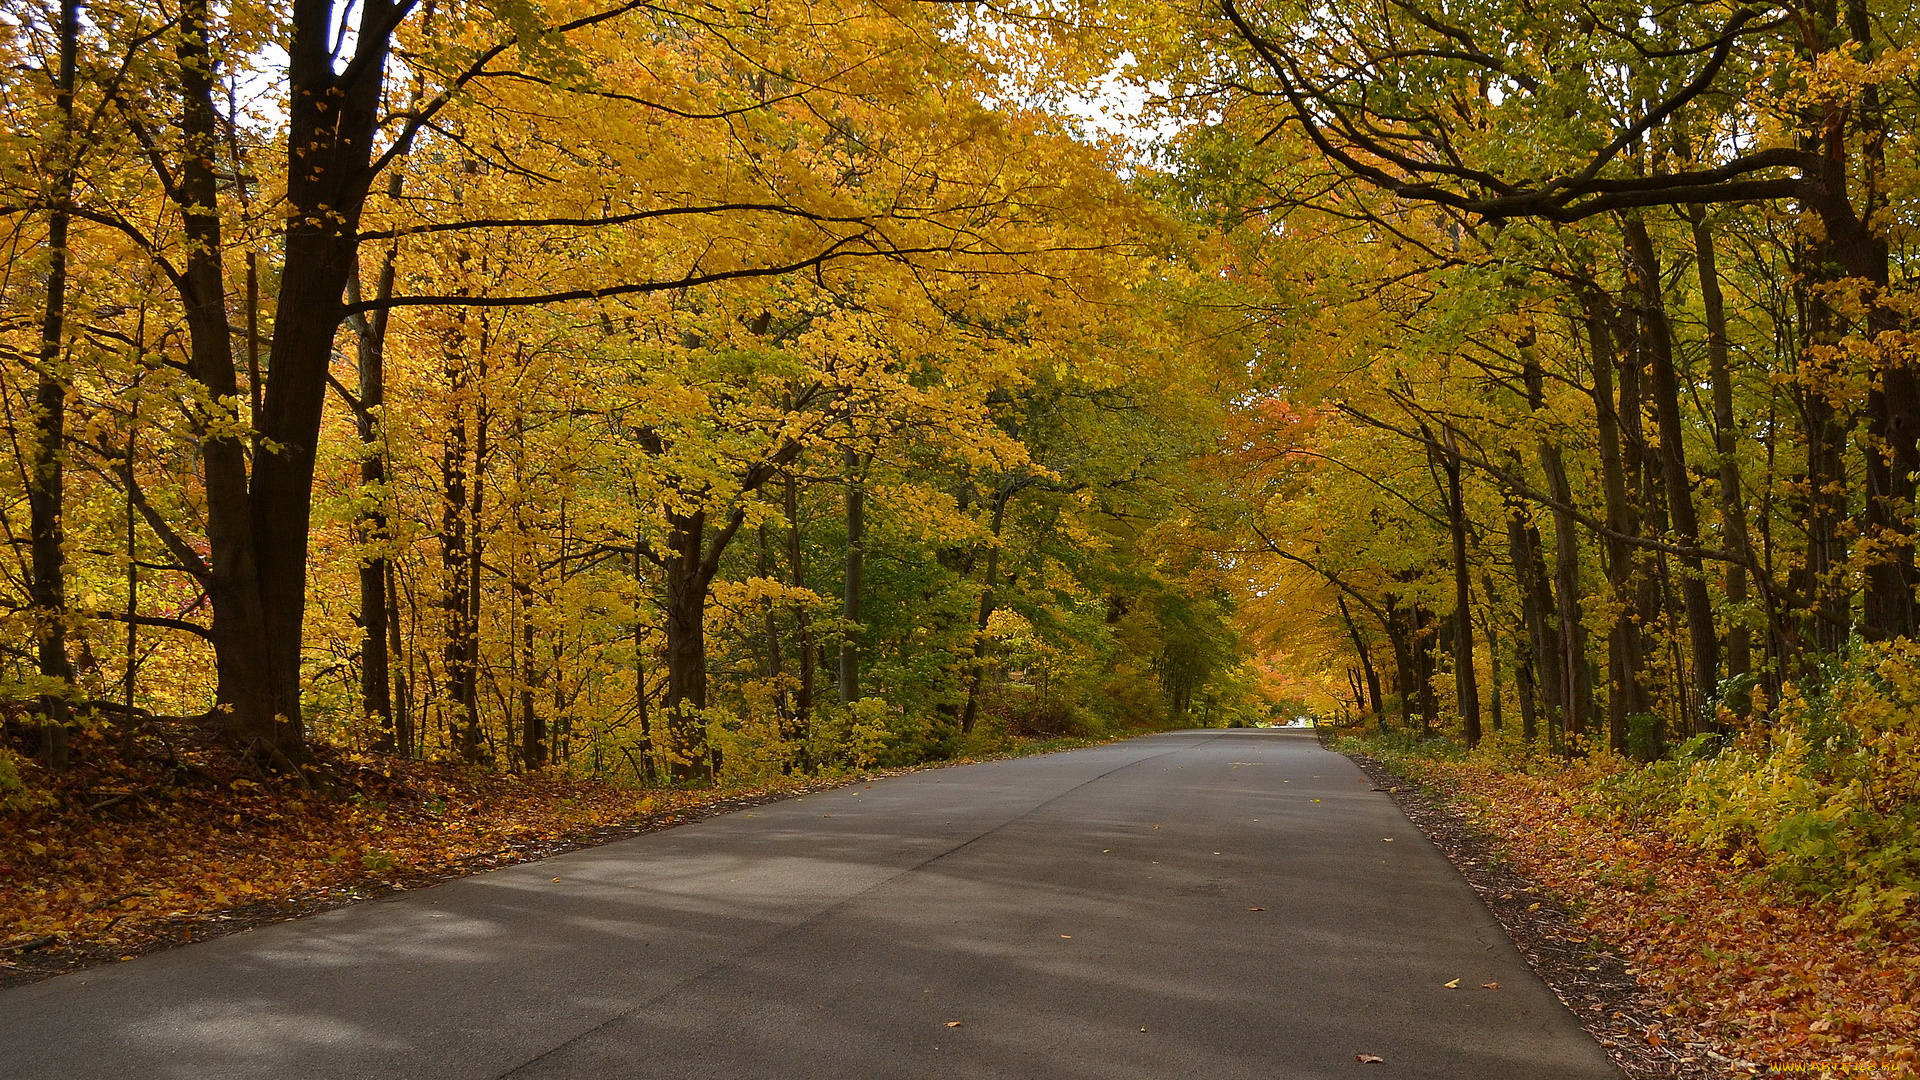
[1825, 799]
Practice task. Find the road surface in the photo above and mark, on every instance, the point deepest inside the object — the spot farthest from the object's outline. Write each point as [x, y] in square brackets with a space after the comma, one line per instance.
[1208, 905]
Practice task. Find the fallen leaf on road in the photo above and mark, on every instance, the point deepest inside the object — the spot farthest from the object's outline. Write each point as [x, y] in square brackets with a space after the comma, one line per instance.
[955, 1023]
[1368, 1059]
[556, 879]
[1386, 839]
[1256, 909]
[1066, 937]
[1316, 800]
[1454, 985]
[1491, 985]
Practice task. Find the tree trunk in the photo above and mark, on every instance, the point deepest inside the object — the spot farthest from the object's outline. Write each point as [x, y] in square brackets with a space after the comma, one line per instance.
[1466, 683]
[688, 580]
[370, 527]
[1561, 643]
[1738, 643]
[258, 526]
[460, 551]
[1425, 640]
[855, 575]
[533, 726]
[1541, 645]
[406, 733]
[1626, 694]
[1852, 208]
[1820, 581]
[640, 699]
[1657, 346]
[1494, 706]
[802, 622]
[256, 646]
[1397, 625]
[46, 490]
[1366, 658]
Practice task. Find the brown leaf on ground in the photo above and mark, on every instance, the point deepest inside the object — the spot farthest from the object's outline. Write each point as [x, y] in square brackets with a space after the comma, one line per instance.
[1737, 970]
[187, 841]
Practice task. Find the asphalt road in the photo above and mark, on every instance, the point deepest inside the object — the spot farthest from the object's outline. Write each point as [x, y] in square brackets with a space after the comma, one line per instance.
[1206, 905]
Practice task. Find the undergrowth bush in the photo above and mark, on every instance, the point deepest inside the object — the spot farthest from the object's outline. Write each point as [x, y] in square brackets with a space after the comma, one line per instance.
[1822, 797]
[1029, 713]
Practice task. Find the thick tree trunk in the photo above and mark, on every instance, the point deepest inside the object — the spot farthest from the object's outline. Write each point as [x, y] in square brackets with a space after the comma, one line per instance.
[1853, 209]
[46, 487]
[256, 648]
[689, 580]
[1819, 582]
[258, 525]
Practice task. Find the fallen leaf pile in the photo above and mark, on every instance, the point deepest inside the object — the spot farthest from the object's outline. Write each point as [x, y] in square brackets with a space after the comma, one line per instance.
[1746, 963]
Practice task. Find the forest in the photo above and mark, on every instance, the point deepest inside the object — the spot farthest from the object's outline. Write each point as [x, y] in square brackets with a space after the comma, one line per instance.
[680, 394]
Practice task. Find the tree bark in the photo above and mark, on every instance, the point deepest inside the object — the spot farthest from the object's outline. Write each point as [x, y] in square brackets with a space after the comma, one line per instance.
[689, 564]
[1626, 694]
[1466, 681]
[459, 555]
[1851, 208]
[852, 582]
[1366, 658]
[46, 489]
[1657, 346]
[370, 525]
[257, 524]
[1541, 644]
[802, 622]
[1738, 642]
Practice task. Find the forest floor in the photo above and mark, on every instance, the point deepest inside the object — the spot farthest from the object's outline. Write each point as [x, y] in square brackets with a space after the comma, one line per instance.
[1681, 966]
[187, 841]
